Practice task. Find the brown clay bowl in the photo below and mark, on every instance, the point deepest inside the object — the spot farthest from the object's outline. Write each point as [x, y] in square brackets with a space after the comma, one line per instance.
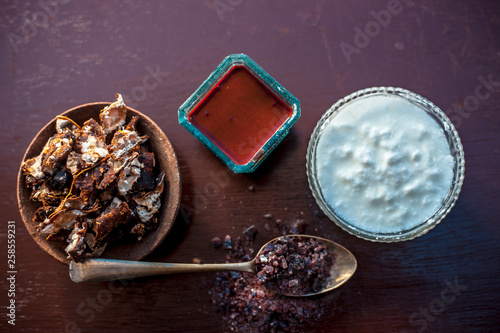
[165, 160]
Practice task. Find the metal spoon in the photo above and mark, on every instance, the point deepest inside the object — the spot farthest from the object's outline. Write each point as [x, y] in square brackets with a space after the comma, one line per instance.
[109, 269]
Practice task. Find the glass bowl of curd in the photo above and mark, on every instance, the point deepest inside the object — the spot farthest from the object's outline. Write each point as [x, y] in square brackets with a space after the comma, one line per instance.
[385, 164]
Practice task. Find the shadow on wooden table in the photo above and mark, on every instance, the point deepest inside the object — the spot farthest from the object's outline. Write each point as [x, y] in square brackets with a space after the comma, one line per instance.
[173, 238]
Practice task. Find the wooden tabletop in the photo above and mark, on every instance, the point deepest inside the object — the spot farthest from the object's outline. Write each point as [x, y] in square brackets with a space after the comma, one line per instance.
[58, 54]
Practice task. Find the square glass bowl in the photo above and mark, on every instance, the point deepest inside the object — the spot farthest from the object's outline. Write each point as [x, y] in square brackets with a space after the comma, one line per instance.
[450, 134]
[240, 113]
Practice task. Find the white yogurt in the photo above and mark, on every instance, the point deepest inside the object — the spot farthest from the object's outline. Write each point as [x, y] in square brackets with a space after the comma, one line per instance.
[384, 164]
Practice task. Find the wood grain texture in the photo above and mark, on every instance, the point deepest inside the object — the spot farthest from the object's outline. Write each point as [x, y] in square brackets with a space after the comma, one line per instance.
[61, 54]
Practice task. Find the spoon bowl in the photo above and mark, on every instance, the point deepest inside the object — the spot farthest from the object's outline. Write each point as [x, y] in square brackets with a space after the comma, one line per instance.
[342, 269]
[108, 269]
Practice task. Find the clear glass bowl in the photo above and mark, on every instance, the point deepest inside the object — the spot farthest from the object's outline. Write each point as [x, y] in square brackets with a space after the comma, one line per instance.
[456, 150]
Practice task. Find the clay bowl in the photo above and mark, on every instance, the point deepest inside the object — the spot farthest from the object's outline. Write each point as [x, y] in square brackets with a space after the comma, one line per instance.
[165, 160]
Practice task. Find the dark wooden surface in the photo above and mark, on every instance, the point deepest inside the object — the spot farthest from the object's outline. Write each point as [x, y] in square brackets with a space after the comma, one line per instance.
[87, 51]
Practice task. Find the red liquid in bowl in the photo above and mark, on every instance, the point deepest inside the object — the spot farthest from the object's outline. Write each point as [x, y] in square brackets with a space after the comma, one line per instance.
[240, 114]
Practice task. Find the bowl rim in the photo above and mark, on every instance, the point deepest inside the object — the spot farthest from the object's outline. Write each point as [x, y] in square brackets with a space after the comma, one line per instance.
[456, 150]
[171, 199]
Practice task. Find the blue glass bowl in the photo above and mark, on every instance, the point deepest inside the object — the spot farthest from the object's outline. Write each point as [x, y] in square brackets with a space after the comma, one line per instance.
[209, 88]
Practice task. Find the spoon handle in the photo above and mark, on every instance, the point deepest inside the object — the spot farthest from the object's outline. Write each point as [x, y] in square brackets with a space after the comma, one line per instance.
[109, 269]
